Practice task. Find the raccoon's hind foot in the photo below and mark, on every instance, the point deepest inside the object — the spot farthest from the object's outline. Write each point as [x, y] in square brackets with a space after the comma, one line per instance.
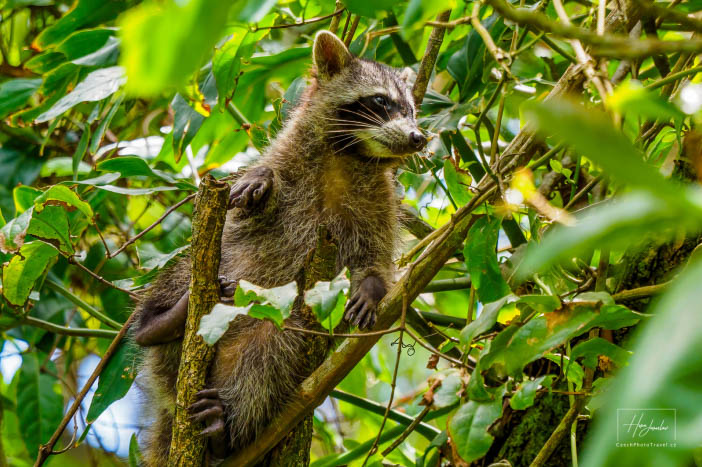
[361, 310]
[252, 189]
[208, 409]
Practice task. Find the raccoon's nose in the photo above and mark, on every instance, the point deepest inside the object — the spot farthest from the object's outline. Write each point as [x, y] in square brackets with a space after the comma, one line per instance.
[417, 140]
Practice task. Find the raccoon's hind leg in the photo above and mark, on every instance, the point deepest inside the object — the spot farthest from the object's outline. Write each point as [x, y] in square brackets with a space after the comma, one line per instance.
[169, 325]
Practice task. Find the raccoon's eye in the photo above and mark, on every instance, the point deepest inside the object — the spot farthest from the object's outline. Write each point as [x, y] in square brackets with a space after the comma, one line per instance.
[380, 101]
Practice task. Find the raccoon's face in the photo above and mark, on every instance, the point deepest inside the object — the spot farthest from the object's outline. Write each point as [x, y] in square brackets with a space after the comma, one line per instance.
[370, 110]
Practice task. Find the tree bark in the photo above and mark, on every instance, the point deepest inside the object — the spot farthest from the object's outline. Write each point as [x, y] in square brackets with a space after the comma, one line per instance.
[187, 446]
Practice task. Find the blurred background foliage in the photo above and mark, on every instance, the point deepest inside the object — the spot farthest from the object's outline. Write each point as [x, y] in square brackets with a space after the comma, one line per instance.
[112, 111]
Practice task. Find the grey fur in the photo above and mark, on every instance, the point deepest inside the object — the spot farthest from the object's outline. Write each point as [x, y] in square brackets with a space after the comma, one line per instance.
[256, 366]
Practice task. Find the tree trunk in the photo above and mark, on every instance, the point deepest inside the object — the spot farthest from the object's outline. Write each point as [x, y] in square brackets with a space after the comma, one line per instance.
[187, 446]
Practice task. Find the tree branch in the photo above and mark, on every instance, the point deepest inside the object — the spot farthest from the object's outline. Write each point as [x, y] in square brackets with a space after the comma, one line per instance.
[429, 59]
[47, 449]
[187, 446]
[66, 331]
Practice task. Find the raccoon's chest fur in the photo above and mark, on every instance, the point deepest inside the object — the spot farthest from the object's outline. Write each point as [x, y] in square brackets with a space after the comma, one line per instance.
[353, 199]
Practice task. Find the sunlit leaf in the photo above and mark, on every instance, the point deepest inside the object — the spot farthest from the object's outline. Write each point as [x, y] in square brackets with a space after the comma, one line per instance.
[24, 269]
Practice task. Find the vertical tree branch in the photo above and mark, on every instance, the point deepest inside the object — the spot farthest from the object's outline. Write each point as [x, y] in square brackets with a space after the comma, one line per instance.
[187, 446]
[429, 58]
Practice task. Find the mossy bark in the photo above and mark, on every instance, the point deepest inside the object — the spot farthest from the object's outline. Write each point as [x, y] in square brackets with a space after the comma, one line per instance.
[187, 446]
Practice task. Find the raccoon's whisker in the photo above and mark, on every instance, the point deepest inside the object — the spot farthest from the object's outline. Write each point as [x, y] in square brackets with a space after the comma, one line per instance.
[372, 116]
[357, 139]
[378, 117]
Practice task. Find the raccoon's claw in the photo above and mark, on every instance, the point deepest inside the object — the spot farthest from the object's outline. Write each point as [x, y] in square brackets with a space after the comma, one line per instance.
[208, 408]
[248, 192]
[226, 289]
[361, 308]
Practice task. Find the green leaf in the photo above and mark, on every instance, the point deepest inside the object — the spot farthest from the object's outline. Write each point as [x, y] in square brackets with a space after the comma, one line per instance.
[115, 379]
[96, 86]
[24, 269]
[82, 147]
[369, 8]
[63, 196]
[15, 93]
[672, 344]
[105, 55]
[24, 197]
[12, 233]
[632, 99]
[133, 166]
[517, 345]
[51, 225]
[325, 295]
[104, 124]
[422, 10]
[281, 297]
[39, 405]
[486, 319]
[134, 453]
[524, 397]
[85, 42]
[466, 66]
[573, 371]
[84, 13]
[468, 427]
[481, 259]
[593, 348]
[214, 324]
[457, 183]
[447, 394]
[150, 257]
[62, 167]
[190, 29]
[186, 123]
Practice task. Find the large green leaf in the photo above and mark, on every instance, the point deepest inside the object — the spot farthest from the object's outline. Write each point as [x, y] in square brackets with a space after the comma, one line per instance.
[468, 427]
[326, 297]
[190, 30]
[115, 379]
[24, 269]
[518, 345]
[51, 225]
[13, 232]
[63, 196]
[15, 93]
[481, 259]
[85, 13]
[664, 373]
[39, 405]
[96, 86]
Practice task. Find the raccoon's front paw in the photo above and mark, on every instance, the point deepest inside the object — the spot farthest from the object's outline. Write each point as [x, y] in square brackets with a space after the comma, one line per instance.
[252, 189]
[361, 310]
[226, 289]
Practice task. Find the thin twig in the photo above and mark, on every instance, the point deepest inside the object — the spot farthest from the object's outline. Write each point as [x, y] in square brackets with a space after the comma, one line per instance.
[429, 59]
[407, 432]
[351, 335]
[67, 331]
[302, 23]
[640, 292]
[157, 222]
[73, 261]
[55, 286]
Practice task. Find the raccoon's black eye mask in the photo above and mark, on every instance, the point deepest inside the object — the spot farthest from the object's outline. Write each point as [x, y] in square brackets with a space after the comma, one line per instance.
[371, 110]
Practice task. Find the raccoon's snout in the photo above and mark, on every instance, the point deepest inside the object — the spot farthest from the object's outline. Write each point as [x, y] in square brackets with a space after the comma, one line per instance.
[417, 140]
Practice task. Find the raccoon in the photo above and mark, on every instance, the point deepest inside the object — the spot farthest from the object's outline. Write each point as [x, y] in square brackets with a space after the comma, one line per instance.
[331, 164]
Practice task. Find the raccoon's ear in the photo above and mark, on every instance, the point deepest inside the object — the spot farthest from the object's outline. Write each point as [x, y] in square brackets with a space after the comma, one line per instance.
[330, 54]
[408, 75]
